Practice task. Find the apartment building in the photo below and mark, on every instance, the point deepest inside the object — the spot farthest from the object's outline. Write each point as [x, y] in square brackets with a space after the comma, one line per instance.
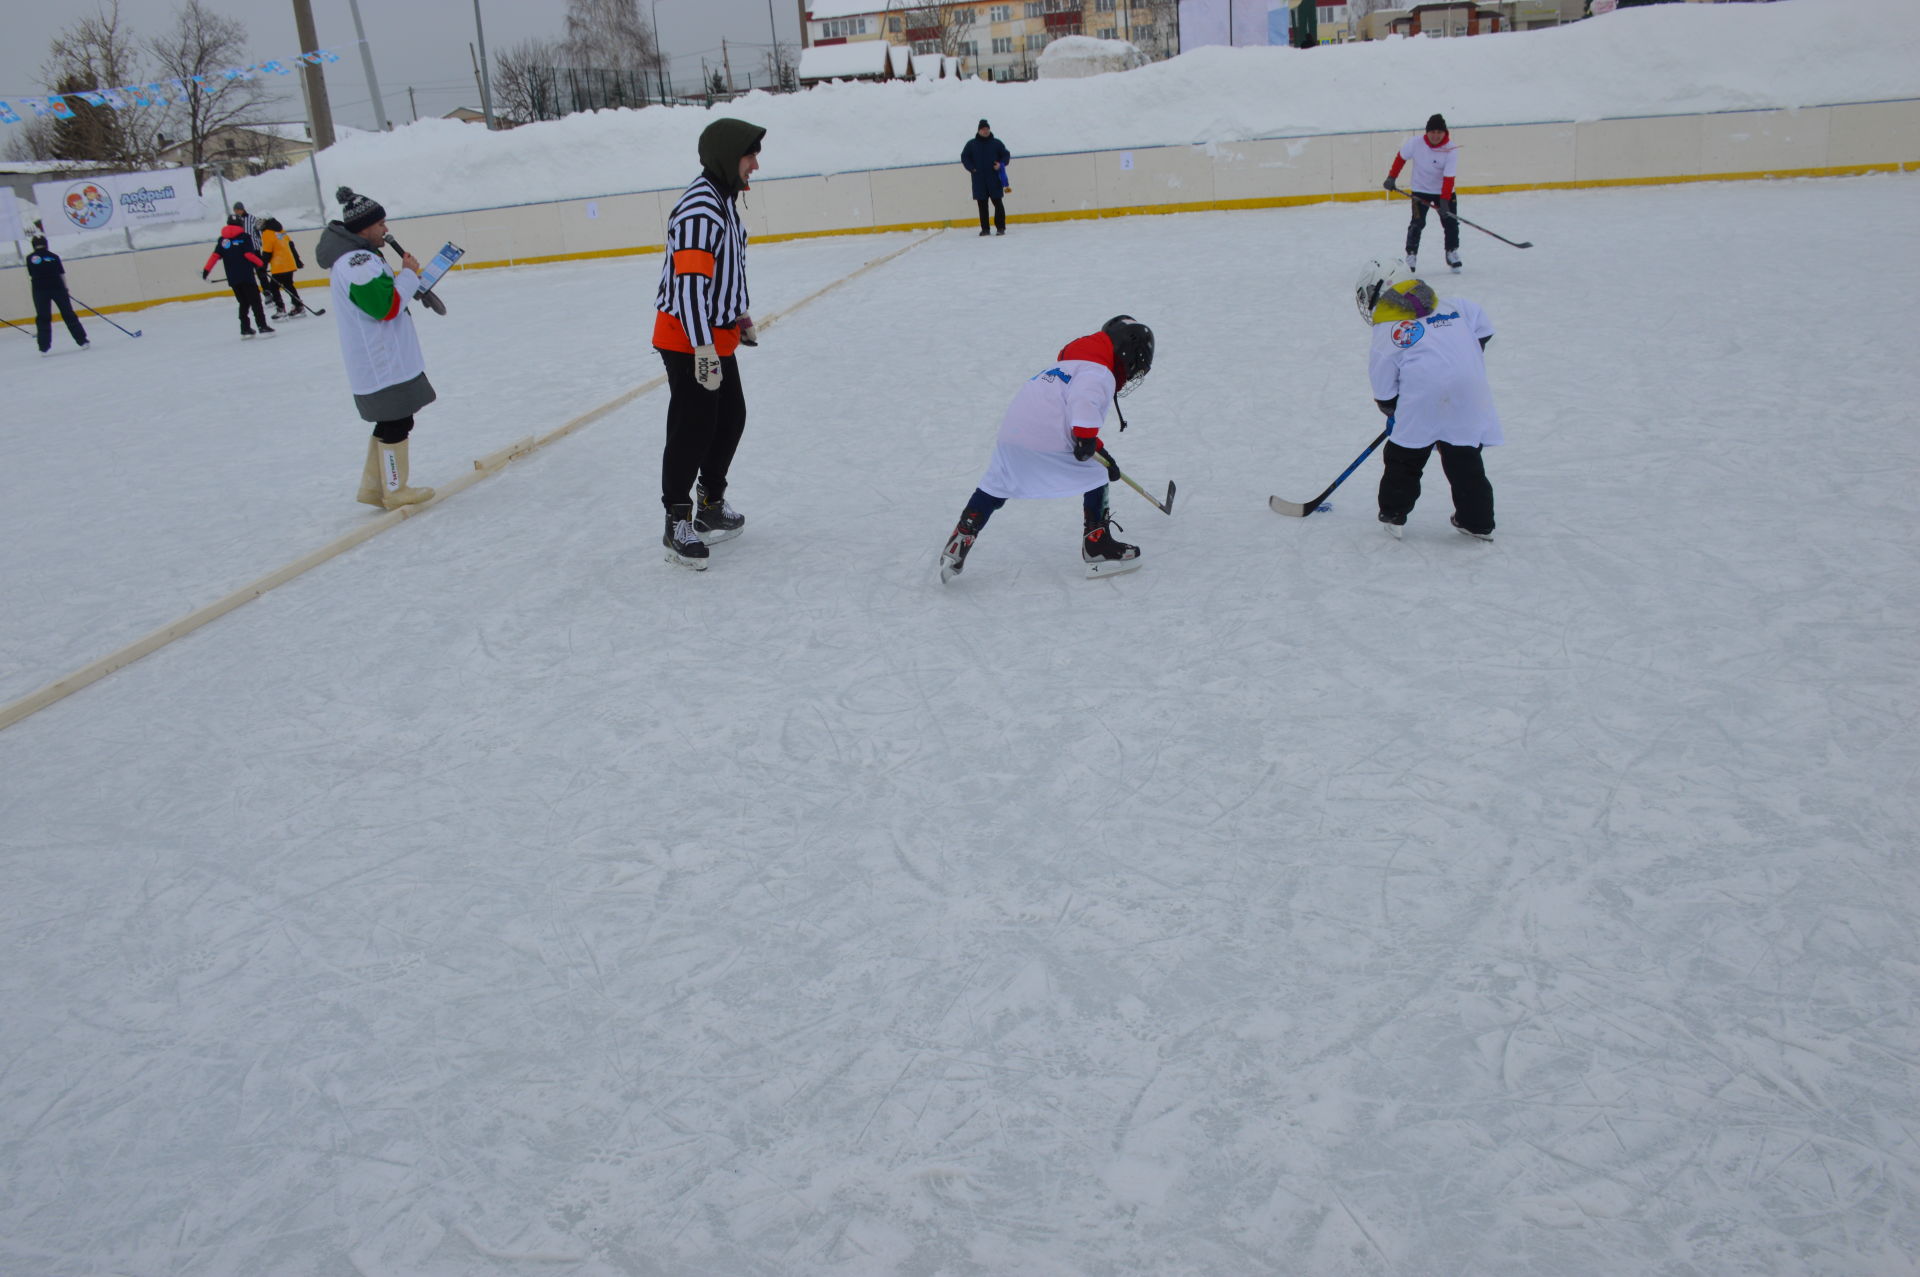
[994, 40]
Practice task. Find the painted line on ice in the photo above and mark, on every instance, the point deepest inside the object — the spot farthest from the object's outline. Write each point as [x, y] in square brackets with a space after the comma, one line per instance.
[491, 464]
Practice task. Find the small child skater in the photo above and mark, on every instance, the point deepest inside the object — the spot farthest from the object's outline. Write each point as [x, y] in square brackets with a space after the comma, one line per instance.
[1050, 438]
[1428, 373]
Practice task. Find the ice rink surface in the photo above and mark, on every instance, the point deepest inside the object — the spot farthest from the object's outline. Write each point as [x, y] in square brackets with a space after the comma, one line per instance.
[497, 899]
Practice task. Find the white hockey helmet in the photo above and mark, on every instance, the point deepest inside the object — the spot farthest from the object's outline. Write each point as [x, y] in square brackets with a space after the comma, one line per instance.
[1376, 277]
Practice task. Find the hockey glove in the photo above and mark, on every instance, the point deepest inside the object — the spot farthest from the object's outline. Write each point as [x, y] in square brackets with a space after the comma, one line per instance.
[1113, 467]
[1084, 446]
[749, 335]
[1389, 185]
[205, 274]
[706, 367]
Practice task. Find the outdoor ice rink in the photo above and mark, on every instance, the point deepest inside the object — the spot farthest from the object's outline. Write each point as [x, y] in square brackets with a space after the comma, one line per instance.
[498, 899]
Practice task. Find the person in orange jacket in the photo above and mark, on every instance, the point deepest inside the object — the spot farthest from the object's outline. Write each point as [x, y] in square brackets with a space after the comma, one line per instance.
[283, 258]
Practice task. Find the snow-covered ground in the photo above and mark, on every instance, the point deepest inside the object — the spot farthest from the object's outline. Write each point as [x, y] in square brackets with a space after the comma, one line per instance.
[496, 898]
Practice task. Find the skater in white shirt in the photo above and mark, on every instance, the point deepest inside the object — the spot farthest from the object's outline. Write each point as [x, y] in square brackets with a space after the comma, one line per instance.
[1435, 159]
[1049, 444]
[1429, 375]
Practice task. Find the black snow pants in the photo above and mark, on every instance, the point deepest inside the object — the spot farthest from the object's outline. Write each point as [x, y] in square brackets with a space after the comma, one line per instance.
[1472, 493]
[703, 429]
[247, 293]
[44, 300]
[1449, 210]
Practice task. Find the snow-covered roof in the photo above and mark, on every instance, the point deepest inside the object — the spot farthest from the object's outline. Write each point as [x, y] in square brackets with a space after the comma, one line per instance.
[844, 61]
[902, 57]
[927, 66]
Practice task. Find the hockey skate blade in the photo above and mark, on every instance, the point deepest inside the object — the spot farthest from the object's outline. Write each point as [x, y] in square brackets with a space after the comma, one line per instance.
[1395, 530]
[1112, 567]
[718, 535]
[698, 565]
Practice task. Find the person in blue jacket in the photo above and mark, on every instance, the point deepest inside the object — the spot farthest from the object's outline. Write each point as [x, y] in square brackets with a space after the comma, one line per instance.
[985, 156]
[49, 279]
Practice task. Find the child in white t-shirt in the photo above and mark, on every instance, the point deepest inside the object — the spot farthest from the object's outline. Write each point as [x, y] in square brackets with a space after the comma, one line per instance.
[1429, 375]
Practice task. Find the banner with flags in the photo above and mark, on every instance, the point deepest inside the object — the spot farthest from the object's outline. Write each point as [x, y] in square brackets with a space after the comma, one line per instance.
[117, 201]
[56, 106]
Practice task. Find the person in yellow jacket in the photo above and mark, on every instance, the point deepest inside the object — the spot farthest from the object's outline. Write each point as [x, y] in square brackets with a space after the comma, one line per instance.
[282, 260]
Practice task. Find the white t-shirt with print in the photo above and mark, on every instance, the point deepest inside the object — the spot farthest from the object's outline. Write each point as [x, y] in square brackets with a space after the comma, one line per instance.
[1438, 371]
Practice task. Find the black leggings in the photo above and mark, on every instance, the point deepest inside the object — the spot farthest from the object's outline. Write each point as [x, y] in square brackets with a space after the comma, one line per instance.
[1093, 505]
[393, 431]
[703, 429]
[285, 280]
[43, 303]
[999, 213]
[1472, 493]
[1449, 210]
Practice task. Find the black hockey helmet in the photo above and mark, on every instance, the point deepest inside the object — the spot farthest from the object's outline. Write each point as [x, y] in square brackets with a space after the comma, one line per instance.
[1133, 346]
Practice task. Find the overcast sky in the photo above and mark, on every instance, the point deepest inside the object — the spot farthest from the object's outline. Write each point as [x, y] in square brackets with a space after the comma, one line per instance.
[420, 44]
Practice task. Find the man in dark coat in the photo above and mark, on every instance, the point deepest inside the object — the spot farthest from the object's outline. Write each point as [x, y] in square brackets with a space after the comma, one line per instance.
[985, 156]
[49, 290]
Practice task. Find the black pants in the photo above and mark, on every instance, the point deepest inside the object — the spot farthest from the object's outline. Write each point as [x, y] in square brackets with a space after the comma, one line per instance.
[1472, 494]
[1449, 221]
[44, 300]
[264, 278]
[247, 293]
[703, 429]
[285, 280]
[999, 214]
[393, 431]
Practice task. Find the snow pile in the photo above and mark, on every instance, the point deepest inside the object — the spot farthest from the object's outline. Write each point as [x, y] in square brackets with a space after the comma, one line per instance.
[1076, 57]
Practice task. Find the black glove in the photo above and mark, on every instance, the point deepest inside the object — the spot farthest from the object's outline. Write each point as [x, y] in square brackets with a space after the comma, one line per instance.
[1388, 185]
[1113, 467]
[205, 273]
[1085, 446]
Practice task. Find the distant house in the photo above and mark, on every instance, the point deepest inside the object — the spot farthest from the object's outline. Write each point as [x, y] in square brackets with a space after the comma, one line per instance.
[466, 115]
[19, 176]
[855, 60]
[241, 150]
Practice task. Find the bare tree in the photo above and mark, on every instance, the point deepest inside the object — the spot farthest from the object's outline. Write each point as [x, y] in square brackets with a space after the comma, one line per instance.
[934, 28]
[782, 68]
[610, 35]
[99, 54]
[526, 83]
[202, 43]
[1156, 27]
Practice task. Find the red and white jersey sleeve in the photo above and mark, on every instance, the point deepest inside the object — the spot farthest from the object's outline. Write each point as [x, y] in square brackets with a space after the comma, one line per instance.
[1433, 167]
[1033, 454]
[1436, 368]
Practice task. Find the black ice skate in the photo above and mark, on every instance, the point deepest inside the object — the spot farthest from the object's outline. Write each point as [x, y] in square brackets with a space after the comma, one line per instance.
[1396, 524]
[1105, 556]
[1465, 531]
[684, 545]
[954, 557]
[715, 521]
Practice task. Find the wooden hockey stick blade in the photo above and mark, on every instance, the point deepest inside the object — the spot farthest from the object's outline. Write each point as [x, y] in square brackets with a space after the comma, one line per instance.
[1297, 509]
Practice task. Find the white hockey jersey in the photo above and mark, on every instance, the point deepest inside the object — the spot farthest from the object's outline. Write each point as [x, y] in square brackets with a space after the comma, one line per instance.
[377, 337]
[1437, 369]
[1431, 165]
[1033, 455]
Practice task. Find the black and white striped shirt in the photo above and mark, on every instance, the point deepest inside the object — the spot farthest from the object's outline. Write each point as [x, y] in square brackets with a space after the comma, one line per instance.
[703, 282]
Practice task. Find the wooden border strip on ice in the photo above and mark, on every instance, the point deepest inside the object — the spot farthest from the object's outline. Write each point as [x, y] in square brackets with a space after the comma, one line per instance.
[490, 464]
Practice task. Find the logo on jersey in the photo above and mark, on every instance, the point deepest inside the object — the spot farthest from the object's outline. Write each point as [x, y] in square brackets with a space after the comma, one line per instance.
[360, 259]
[1407, 332]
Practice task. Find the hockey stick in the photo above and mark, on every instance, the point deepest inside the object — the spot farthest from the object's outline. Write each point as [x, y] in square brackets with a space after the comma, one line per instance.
[1165, 507]
[1463, 221]
[17, 328]
[1303, 509]
[83, 306]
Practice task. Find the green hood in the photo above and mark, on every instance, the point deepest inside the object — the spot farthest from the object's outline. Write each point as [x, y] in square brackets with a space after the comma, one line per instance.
[722, 144]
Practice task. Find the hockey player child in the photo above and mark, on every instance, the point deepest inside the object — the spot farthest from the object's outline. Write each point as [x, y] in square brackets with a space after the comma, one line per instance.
[1434, 158]
[49, 280]
[235, 252]
[1429, 376]
[702, 319]
[1050, 438]
[282, 260]
[385, 368]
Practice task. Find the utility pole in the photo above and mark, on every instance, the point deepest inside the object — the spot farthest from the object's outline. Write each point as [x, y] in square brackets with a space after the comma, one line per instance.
[314, 81]
[726, 62]
[366, 60]
[486, 80]
[412, 105]
[773, 33]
